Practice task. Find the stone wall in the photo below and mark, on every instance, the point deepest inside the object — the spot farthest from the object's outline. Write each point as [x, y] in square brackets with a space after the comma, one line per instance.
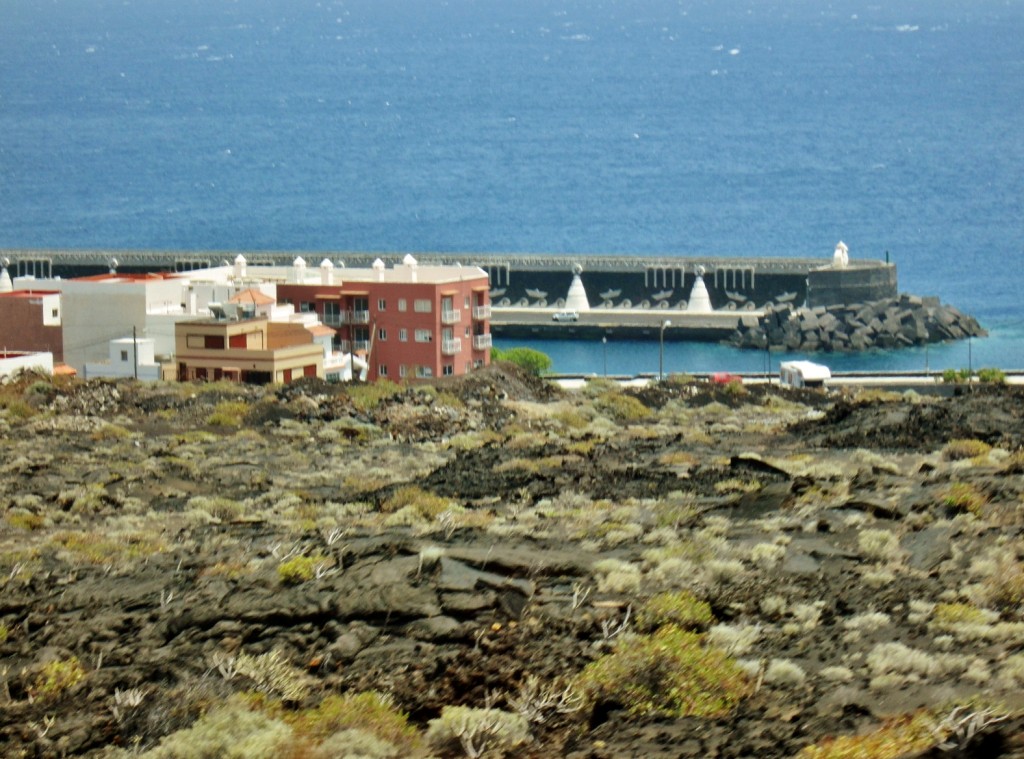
[854, 284]
[889, 323]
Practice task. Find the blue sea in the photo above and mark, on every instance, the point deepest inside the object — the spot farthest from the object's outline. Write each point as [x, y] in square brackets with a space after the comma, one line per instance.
[703, 127]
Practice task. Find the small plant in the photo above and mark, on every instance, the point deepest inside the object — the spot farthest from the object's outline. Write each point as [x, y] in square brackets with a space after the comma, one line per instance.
[371, 712]
[902, 737]
[229, 730]
[56, 677]
[369, 396]
[228, 414]
[958, 450]
[878, 545]
[992, 376]
[300, 569]
[956, 376]
[965, 498]
[671, 673]
[532, 361]
[621, 407]
[273, 675]
[478, 730]
[682, 609]
[424, 504]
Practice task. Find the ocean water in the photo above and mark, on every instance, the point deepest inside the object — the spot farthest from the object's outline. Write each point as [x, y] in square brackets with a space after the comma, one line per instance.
[604, 126]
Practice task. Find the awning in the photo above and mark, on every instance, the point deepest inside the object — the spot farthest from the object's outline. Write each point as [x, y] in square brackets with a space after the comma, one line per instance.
[328, 297]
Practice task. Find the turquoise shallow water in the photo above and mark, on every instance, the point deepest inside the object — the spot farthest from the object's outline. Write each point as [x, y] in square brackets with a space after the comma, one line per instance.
[635, 126]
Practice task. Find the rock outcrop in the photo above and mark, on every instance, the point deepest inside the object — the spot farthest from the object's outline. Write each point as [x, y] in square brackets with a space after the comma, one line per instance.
[891, 323]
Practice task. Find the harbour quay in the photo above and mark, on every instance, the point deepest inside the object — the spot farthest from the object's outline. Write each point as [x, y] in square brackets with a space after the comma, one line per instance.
[702, 296]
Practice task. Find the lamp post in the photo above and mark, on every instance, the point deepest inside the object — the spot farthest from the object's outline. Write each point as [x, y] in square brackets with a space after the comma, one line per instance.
[604, 347]
[661, 349]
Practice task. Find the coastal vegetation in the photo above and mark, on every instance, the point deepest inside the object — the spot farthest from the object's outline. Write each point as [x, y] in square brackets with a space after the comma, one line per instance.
[492, 566]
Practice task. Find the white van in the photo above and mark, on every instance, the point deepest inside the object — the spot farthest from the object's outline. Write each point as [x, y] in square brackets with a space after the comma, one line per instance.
[566, 316]
[803, 374]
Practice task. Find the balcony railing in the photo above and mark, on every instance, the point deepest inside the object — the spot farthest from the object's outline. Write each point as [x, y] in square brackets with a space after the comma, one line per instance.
[482, 312]
[344, 346]
[360, 317]
[360, 345]
[481, 342]
[451, 317]
[451, 347]
[334, 320]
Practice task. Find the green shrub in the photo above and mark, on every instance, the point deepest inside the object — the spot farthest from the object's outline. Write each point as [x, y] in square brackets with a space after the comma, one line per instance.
[299, 569]
[958, 450]
[621, 407]
[992, 376]
[228, 414]
[963, 497]
[368, 396]
[427, 505]
[478, 731]
[56, 677]
[907, 736]
[671, 673]
[231, 731]
[956, 376]
[528, 359]
[682, 609]
[273, 675]
[369, 712]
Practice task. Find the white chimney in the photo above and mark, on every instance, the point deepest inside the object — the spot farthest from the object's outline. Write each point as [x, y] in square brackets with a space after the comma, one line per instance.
[326, 272]
[299, 270]
[239, 266]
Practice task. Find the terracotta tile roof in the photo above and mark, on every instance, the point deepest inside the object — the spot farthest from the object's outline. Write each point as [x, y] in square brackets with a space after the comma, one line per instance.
[252, 295]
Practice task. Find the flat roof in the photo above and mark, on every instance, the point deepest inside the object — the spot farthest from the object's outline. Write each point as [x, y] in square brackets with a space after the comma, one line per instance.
[28, 293]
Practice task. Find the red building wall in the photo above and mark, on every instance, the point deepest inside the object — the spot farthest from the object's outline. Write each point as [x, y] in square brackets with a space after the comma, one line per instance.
[21, 325]
[388, 352]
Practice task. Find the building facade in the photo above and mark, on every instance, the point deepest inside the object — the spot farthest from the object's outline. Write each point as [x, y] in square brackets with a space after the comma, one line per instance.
[406, 322]
[30, 321]
[246, 350]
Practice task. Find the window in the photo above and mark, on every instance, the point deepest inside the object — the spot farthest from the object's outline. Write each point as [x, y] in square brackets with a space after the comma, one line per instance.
[424, 336]
[403, 334]
[307, 307]
[402, 305]
[468, 332]
[55, 313]
[237, 341]
[401, 370]
[213, 342]
[332, 312]
[382, 370]
[466, 303]
[424, 371]
[382, 334]
[124, 355]
[381, 304]
[448, 370]
[422, 306]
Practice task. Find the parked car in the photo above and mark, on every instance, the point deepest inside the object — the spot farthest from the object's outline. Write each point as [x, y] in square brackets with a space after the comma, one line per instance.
[724, 378]
[566, 316]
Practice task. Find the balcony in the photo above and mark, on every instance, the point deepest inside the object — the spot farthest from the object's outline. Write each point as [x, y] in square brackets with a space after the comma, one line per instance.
[481, 342]
[360, 345]
[334, 320]
[451, 317]
[344, 346]
[482, 312]
[451, 347]
[360, 317]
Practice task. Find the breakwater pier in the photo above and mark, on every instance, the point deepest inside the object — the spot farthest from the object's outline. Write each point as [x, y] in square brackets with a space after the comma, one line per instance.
[620, 283]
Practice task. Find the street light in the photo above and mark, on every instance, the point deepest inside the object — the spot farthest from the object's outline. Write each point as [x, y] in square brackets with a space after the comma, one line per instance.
[661, 349]
[604, 346]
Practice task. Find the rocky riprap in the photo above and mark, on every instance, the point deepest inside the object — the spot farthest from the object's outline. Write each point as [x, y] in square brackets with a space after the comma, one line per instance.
[891, 323]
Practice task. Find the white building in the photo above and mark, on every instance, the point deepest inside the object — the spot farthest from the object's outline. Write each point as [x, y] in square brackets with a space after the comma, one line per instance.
[128, 358]
[12, 362]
